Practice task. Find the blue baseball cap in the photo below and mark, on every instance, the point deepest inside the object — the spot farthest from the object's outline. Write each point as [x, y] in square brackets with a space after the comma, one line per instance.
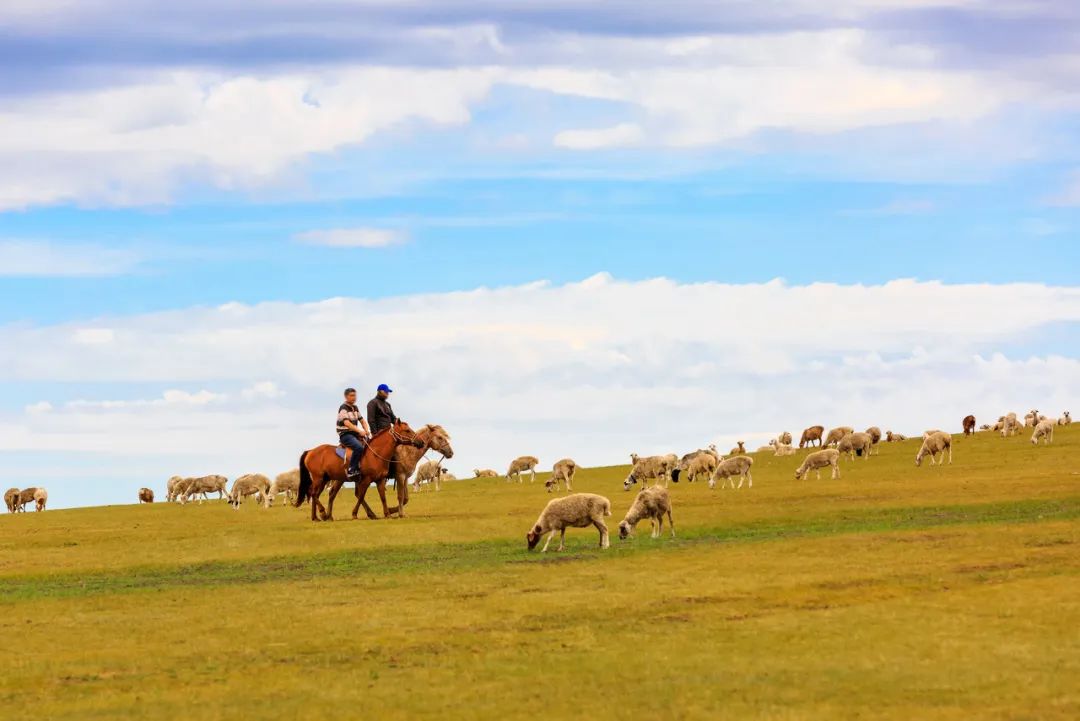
[384, 387]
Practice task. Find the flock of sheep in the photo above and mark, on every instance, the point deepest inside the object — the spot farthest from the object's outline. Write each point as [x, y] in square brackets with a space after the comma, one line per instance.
[17, 500]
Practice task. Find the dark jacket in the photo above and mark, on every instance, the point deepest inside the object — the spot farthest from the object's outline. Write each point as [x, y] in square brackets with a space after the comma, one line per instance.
[379, 414]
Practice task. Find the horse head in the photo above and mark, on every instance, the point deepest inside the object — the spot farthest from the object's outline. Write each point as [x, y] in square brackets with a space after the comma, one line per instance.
[439, 440]
[405, 435]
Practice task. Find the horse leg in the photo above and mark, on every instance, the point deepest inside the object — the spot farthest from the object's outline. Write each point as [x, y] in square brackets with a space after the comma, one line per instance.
[335, 486]
[361, 491]
[381, 485]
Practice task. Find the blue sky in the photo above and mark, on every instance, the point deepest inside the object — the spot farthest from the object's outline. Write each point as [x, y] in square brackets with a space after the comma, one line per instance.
[251, 160]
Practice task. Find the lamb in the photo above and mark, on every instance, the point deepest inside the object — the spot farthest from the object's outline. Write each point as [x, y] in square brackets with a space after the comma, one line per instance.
[524, 463]
[430, 471]
[655, 467]
[939, 442]
[969, 425]
[784, 449]
[564, 471]
[287, 483]
[252, 484]
[146, 495]
[811, 434]
[203, 485]
[1045, 431]
[738, 450]
[652, 503]
[856, 443]
[1065, 419]
[818, 460]
[891, 437]
[578, 510]
[1009, 425]
[836, 434]
[731, 467]
[485, 473]
[11, 499]
[695, 464]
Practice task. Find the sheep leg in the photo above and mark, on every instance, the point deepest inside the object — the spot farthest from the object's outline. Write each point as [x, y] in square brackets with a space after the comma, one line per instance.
[671, 523]
[548, 542]
[605, 540]
[749, 480]
[562, 539]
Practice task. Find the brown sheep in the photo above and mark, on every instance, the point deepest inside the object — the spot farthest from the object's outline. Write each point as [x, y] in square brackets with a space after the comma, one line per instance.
[146, 495]
[811, 434]
[11, 499]
[969, 425]
[836, 434]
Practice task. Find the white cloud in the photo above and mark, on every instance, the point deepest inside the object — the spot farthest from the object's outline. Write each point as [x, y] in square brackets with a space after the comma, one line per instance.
[39, 258]
[94, 336]
[592, 370]
[354, 237]
[618, 136]
[39, 407]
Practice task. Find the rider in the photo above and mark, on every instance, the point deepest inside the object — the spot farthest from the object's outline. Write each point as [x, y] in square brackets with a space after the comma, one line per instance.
[381, 416]
[352, 431]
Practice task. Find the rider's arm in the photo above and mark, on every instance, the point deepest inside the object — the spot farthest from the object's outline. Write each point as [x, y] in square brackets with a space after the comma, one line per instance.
[367, 428]
[352, 427]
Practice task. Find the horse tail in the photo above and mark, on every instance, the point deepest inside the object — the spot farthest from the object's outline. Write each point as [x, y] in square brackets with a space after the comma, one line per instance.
[304, 488]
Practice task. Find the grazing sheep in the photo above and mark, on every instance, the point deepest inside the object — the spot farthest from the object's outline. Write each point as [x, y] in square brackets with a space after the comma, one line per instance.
[818, 460]
[985, 427]
[875, 434]
[1065, 419]
[856, 443]
[146, 495]
[784, 439]
[891, 437]
[939, 442]
[695, 464]
[1045, 431]
[252, 484]
[932, 431]
[485, 473]
[578, 510]
[430, 471]
[524, 463]
[170, 488]
[969, 425]
[41, 496]
[287, 483]
[784, 449]
[1009, 425]
[563, 471]
[657, 468]
[836, 434]
[26, 495]
[811, 434]
[652, 503]
[11, 499]
[731, 467]
[203, 485]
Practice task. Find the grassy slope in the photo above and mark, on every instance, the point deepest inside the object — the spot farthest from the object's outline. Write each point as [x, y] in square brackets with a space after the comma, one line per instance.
[895, 592]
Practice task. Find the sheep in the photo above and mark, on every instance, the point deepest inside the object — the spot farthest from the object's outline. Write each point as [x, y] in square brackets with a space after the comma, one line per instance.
[25, 496]
[287, 483]
[1065, 419]
[485, 473]
[1009, 425]
[170, 488]
[11, 499]
[1045, 431]
[524, 463]
[738, 450]
[1031, 419]
[563, 471]
[818, 460]
[932, 431]
[969, 425]
[811, 434]
[578, 510]
[202, 485]
[731, 467]
[430, 471]
[41, 496]
[146, 495]
[875, 436]
[784, 439]
[702, 462]
[856, 443]
[939, 442]
[985, 427]
[652, 503]
[252, 484]
[836, 434]
[446, 475]
[891, 437]
[655, 467]
[783, 449]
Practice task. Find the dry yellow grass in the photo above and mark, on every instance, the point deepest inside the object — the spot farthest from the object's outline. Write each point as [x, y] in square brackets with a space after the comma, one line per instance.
[895, 592]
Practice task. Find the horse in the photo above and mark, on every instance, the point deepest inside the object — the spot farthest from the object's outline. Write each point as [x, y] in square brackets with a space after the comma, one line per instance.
[322, 465]
[434, 438]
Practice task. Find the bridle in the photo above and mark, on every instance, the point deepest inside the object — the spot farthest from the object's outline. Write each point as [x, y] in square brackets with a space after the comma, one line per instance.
[399, 440]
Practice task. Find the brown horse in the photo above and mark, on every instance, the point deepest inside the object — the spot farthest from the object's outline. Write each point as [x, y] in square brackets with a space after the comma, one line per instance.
[321, 465]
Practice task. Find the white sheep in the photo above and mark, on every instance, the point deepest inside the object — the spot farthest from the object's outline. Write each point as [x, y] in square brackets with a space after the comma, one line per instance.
[202, 486]
[875, 436]
[1045, 431]
[818, 460]
[784, 449]
[1009, 425]
[836, 434]
[252, 484]
[731, 467]
[40, 497]
[578, 510]
[657, 468]
[856, 443]
[784, 439]
[485, 473]
[1031, 418]
[652, 503]
[891, 437]
[430, 471]
[939, 442]
[287, 483]
[564, 471]
[1065, 419]
[521, 464]
[692, 465]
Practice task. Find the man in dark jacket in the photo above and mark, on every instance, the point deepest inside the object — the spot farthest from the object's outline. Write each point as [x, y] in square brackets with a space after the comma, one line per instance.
[379, 413]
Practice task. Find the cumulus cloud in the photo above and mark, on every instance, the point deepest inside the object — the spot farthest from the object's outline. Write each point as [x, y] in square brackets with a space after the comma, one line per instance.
[354, 237]
[593, 370]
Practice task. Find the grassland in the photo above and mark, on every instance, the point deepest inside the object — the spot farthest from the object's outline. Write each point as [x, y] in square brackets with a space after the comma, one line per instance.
[894, 593]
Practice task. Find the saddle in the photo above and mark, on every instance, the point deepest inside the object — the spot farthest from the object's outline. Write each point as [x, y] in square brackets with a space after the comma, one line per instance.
[340, 451]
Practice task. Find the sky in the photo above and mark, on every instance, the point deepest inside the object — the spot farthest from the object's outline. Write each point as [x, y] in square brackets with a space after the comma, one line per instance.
[557, 228]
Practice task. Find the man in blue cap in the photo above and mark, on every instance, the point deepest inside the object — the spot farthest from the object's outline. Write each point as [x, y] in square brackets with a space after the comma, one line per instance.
[379, 413]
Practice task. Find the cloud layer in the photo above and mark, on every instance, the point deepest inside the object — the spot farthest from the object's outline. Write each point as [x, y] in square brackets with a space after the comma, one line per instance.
[593, 370]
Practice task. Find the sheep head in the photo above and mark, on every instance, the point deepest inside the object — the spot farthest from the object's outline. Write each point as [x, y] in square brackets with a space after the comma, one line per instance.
[533, 537]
